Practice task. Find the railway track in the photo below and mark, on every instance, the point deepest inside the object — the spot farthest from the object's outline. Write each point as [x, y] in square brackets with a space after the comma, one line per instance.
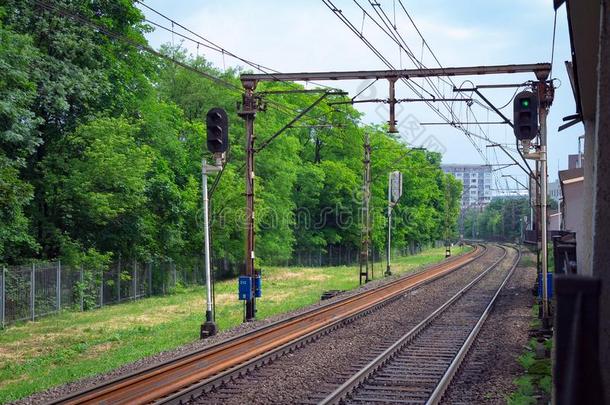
[419, 366]
[202, 370]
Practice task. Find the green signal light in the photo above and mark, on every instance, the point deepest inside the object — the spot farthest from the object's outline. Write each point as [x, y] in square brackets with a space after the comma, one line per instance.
[525, 102]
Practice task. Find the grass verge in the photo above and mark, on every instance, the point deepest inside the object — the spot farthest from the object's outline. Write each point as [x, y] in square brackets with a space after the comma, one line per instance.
[536, 380]
[71, 345]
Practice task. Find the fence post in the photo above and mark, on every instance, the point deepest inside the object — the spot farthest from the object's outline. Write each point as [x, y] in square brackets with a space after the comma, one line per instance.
[150, 279]
[82, 287]
[3, 290]
[58, 286]
[134, 279]
[118, 280]
[102, 289]
[33, 292]
[174, 272]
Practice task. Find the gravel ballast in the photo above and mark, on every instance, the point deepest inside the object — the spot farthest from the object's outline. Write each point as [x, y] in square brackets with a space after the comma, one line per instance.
[315, 368]
[487, 373]
[66, 389]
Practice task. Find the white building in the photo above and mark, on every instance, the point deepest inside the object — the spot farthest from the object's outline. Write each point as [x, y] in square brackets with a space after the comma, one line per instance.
[476, 180]
[555, 190]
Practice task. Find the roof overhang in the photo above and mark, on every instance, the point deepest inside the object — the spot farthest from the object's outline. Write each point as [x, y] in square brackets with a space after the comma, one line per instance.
[583, 23]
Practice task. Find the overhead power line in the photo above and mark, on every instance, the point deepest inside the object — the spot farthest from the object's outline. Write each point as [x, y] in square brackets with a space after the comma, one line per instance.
[207, 43]
[399, 40]
[350, 25]
[140, 46]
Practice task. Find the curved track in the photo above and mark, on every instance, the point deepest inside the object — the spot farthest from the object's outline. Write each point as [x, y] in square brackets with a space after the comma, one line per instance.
[203, 369]
[419, 367]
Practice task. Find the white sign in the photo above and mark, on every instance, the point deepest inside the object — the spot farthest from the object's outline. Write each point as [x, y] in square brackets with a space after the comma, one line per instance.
[395, 186]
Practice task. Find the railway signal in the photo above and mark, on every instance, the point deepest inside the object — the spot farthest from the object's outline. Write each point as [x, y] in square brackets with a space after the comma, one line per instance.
[525, 108]
[217, 124]
[217, 143]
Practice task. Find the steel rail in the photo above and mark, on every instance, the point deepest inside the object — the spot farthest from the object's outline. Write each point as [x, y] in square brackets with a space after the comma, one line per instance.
[197, 370]
[204, 386]
[235, 372]
[191, 392]
[356, 380]
[445, 382]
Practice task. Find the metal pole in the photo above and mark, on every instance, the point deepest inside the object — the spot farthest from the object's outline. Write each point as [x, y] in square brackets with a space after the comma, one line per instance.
[58, 286]
[248, 113]
[173, 265]
[209, 327]
[365, 246]
[538, 68]
[149, 266]
[388, 270]
[118, 280]
[392, 102]
[543, 192]
[82, 293]
[134, 279]
[33, 291]
[3, 302]
[368, 205]
[101, 288]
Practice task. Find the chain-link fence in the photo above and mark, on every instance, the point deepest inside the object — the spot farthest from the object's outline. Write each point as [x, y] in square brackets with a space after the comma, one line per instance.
[339, 255]
[32, 291]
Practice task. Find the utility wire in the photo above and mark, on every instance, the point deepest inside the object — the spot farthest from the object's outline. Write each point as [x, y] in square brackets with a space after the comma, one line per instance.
[211, 45]
[142, 47]
[348, 23]
[440, 65]
[217, 48]
[424, 42]
[146, 48]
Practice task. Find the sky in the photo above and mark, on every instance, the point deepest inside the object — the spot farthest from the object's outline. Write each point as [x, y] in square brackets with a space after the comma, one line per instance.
[297, 36]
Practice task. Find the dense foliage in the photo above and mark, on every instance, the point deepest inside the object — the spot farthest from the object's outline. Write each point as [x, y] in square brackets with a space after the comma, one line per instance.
[502, 219]
[102, 147]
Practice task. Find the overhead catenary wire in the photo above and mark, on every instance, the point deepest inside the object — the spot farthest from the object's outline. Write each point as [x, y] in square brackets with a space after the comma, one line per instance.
[210, 44]
[138, 45]
[348, 23]
[378, 5]
[418, 63]
[217, 48]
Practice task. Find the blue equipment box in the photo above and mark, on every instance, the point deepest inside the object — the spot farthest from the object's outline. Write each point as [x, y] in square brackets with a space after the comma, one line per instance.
[258, 286]
[245, 288]
[549, 284]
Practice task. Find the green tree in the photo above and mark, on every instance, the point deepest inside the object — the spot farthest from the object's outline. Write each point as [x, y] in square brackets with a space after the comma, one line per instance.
[18, 140]
[101, 198]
